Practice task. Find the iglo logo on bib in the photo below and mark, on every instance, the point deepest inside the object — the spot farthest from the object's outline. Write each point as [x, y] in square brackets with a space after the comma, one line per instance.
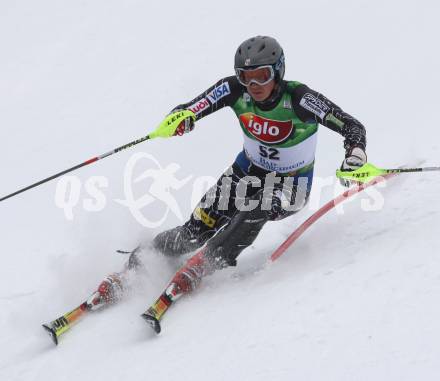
[266, 130]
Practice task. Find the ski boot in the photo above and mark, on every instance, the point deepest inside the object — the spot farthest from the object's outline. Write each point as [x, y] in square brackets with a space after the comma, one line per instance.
[109, 291]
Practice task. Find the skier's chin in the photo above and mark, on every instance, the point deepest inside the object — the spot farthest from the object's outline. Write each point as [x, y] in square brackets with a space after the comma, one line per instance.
[259, 97]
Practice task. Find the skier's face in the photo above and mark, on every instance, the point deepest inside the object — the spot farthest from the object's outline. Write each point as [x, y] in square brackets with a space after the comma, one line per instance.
[260, 92]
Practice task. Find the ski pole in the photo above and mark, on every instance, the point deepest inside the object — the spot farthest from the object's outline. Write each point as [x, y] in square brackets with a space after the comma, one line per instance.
[369, 172]
[367, 175]
[166, 129]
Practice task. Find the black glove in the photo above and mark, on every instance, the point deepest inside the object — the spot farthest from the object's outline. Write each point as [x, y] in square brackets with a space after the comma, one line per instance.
[355, 159]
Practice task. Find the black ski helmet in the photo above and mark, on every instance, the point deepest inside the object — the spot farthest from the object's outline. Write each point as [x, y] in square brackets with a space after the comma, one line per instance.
[259, 51]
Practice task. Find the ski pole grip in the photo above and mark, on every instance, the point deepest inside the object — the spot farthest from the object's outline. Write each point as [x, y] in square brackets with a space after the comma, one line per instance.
[169, 125]
[364, 174]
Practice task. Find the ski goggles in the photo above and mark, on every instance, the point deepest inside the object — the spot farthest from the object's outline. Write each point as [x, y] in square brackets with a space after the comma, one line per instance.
[261, 75]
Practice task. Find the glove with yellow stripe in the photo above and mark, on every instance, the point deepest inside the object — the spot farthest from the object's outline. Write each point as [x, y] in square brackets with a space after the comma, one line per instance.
[355, 159]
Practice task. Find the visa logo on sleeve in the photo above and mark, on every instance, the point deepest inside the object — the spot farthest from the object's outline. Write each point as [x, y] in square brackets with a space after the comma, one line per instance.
[219, 92]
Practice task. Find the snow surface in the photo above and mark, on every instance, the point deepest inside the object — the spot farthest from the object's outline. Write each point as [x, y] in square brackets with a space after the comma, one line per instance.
[356, 298]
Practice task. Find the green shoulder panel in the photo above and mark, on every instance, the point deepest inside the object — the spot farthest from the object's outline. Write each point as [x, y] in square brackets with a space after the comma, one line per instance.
[292, 85]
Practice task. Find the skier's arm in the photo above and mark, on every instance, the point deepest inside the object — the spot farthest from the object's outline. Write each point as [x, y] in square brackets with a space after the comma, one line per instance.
[223, 93]
[311, 105]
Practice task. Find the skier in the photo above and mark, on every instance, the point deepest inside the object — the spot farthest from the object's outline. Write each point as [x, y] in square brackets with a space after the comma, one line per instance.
[279, 120]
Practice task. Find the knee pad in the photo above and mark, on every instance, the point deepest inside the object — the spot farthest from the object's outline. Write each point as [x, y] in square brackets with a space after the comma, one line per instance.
[176, 241]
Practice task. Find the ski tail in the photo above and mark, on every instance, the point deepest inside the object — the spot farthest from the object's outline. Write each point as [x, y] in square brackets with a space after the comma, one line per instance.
[154, 314]
[61, 325]
[154, 323]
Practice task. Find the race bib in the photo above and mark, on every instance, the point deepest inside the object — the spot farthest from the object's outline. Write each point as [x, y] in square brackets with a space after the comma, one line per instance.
[281, 159]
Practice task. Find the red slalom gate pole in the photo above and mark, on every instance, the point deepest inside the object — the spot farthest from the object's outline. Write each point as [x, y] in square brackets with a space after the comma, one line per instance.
[326, 208]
